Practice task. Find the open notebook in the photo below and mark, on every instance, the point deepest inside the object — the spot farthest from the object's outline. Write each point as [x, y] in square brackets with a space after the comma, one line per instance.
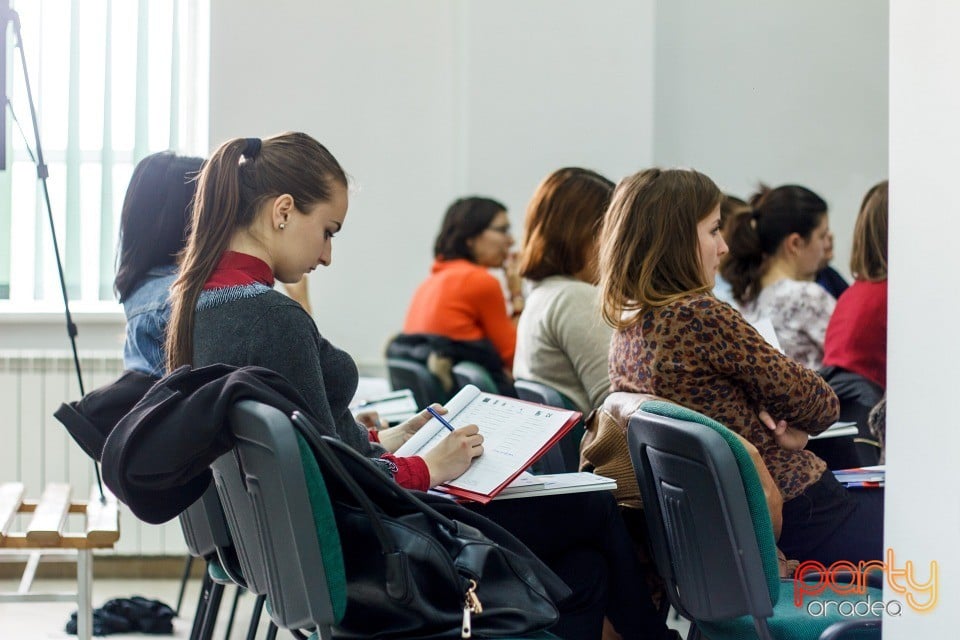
[515, 434]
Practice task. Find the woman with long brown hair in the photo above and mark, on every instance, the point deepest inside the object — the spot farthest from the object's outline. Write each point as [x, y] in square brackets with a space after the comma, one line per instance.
[857, 334]
[660, 251]
[561, 341]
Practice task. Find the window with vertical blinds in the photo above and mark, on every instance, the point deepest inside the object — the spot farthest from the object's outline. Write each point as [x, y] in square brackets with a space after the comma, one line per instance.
[113, 81]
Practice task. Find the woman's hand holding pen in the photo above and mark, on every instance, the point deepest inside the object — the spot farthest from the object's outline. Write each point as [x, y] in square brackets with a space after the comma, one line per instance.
[391, 439]
[785, 435]
[447, 460]
[453, 455]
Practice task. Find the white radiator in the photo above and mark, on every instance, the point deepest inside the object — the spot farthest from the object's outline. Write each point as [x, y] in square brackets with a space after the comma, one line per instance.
[36, 449]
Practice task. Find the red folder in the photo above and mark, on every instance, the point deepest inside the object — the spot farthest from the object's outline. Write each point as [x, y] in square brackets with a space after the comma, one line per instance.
[484, 498]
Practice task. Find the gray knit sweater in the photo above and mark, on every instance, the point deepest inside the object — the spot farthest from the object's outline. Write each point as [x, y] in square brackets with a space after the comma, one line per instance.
[253, 325]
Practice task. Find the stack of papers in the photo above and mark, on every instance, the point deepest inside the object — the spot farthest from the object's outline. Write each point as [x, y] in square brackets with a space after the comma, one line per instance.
[862, 477]
[393, 407]
[529, 486]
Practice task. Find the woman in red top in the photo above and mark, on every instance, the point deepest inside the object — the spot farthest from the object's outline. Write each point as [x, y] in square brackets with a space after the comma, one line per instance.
[461, 299]
[857, 334]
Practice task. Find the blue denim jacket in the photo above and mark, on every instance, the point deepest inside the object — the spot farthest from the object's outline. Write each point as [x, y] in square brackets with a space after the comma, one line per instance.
[148, 311]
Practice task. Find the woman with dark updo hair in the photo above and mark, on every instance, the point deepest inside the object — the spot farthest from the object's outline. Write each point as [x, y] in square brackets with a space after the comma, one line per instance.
[776, 250]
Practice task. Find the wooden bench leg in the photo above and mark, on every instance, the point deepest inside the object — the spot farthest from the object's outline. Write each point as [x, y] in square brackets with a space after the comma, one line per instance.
[84, 594]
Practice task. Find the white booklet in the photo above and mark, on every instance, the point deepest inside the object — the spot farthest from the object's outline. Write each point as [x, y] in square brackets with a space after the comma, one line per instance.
[555, 483]
[515, 434]
[837, 429]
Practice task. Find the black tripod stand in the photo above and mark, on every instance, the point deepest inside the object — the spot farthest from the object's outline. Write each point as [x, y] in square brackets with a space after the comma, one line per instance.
[9, 15]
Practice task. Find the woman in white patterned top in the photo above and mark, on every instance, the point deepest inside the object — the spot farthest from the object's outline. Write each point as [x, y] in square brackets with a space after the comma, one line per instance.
[776, 249]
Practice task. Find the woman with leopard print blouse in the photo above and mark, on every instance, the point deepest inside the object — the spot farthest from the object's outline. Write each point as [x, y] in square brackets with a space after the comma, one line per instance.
[660, 251]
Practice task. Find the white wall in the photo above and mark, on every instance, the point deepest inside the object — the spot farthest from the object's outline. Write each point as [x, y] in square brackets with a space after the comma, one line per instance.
[426, 100]
[374, 82]
[423, 101]
[548, 84]
[923, 506]
[776, 91]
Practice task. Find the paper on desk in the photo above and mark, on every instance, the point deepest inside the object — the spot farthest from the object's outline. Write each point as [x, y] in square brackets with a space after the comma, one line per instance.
[513, 433]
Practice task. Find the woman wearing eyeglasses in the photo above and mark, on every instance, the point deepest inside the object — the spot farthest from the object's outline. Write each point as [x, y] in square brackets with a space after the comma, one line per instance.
[461, 299]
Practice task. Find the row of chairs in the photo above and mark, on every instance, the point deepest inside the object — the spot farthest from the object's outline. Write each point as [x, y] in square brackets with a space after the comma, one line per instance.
[706, 514]
[213, 544]
[707, 533]
[711, 538]
[205, 530]
[266, 490]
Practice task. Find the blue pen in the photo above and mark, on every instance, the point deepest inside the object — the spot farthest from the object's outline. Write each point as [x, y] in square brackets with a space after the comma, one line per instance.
[440, 418]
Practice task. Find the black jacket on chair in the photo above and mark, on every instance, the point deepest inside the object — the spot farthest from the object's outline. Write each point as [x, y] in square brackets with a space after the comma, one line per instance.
[419, 346]
[91, 419]
[156, 460]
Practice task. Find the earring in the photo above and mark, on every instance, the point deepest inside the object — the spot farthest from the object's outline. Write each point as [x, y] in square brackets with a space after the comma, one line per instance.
[283, 225]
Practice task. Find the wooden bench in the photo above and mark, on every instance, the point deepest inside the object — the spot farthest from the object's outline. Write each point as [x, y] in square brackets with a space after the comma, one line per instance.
[45, 535]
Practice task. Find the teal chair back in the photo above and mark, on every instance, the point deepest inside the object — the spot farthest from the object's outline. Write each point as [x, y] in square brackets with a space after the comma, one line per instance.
[710, 530]
[466, 372]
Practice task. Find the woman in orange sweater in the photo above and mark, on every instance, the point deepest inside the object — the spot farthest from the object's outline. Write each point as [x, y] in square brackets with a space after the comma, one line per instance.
[461, 300]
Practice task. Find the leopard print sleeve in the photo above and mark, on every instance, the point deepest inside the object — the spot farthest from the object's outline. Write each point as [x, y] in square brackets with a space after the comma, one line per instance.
[729, 345]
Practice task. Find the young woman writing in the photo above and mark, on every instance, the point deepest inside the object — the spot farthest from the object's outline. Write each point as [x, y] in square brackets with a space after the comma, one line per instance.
[268, 210]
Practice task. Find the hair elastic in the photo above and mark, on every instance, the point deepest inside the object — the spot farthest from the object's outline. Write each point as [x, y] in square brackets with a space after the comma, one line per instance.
[252, 148]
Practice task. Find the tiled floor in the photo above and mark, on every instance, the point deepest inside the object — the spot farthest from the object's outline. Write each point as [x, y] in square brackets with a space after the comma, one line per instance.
[44, 621]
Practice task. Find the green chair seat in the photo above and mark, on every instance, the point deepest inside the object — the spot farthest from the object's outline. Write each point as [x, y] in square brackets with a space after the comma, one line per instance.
[216, 572]
[790, 621]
